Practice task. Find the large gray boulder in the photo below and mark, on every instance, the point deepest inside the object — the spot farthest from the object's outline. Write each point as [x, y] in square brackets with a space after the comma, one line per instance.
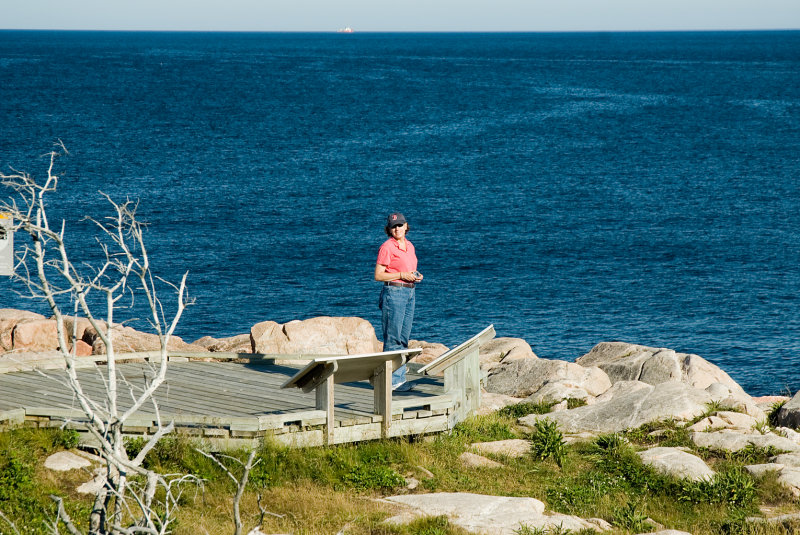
[677, 463]
[789, 414]
[521, 378]
[630, 409]
[787, 459]
[488, 515]
[735, 441]
[323, 335]
[491, 402]
[560, 390]
[63, 461]
[788, 476]
[630, 362]
[621, 388]
[737, 399]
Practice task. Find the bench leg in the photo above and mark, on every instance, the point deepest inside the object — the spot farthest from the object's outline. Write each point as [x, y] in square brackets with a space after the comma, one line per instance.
[382, 383]
[325, 402]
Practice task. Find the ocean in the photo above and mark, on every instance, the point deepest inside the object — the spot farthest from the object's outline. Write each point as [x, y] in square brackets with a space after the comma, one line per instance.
[569, 188]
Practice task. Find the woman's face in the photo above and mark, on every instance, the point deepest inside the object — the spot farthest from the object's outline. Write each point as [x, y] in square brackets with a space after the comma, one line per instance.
[399, 231]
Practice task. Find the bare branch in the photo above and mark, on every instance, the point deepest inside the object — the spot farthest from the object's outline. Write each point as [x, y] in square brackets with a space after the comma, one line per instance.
[63, 516]
[45, 269]
[9, 522]
[241, 482]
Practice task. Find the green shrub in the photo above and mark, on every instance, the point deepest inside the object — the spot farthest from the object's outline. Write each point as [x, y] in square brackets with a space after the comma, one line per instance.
[632, 517]
[569, 498]
[574, 403]
[175, 453]
[750, 454]
[663, 433]
[373, 477]
[66, 438]
[547, 441]
[772, 417]
[616, 457]
[525, 408]
[16, 477]
[734, 487]
[610, 442]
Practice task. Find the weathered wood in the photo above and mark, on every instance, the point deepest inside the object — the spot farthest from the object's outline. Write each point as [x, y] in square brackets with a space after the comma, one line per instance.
[462, 375]
[382, 384]
[348, 368]
[12, 416]
[472, 381]
[13, 362]
[229, 401]
[452, 356]
[325, 402]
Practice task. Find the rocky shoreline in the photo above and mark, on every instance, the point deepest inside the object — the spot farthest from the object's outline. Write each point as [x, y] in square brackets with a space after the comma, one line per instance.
[614, 388]
[619, 385]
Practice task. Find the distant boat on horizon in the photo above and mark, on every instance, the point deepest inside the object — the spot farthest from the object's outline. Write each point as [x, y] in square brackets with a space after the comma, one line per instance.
[346, 29]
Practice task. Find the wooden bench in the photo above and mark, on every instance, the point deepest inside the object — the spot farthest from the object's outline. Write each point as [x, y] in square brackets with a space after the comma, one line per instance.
[462, 373]
[322, 373]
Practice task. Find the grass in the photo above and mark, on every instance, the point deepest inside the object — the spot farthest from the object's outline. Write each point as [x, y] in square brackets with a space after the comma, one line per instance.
[323, 490]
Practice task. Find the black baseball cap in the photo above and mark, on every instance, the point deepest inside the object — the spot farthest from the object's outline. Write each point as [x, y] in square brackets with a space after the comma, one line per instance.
[395, 219]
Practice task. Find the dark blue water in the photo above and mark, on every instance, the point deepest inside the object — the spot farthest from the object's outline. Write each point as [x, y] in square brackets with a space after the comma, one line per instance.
[568, 188]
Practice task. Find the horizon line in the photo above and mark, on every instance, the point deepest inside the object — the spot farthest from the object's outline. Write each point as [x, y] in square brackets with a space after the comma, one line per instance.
[354, 32]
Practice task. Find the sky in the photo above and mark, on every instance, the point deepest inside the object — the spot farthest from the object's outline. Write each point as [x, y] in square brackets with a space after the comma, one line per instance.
[401, 15]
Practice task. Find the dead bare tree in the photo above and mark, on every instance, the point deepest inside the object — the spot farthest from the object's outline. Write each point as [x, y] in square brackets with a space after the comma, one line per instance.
[130, 501]
[241, 481]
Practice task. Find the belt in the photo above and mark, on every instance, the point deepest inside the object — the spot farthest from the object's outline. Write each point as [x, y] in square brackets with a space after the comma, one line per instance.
[398, 283]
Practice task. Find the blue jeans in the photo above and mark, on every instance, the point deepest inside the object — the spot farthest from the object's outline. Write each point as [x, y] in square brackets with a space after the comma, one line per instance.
[397, 305]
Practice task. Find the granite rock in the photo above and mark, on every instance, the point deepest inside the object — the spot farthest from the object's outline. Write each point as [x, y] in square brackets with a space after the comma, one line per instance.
[726, 420]
[630, 409]
[735, 441]
[630, 362]
[677, 463]
[488, 515]
[521, 378]
[63, 461]
[239, 343]
[789, 414]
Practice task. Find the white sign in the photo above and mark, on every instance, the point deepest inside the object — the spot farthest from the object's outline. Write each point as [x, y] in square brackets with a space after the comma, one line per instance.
[6, 246]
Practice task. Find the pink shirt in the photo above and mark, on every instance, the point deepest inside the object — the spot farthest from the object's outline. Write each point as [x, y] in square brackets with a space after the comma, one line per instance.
[395, 259]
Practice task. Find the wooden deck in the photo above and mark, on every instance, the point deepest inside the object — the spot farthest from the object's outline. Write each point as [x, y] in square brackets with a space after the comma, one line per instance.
[228, 403]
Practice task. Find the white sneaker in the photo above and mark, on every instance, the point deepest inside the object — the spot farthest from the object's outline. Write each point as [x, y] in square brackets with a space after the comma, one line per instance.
[403, 387]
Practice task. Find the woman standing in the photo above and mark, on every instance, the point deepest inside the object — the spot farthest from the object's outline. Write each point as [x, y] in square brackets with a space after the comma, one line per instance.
[397, 270]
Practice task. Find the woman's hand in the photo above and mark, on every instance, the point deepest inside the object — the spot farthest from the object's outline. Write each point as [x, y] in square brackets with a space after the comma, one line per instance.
[408, 276]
